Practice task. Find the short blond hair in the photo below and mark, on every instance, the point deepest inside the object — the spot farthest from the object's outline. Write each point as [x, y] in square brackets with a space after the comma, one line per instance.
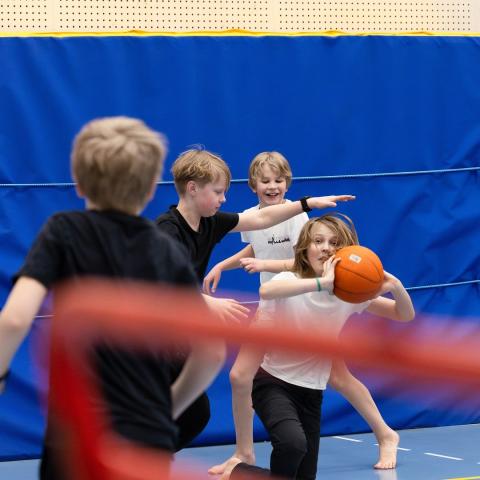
[340, 224]
[275, 160]
[116, 160]
[201, 166]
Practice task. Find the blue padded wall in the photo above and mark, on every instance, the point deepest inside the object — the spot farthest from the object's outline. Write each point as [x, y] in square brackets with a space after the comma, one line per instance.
[350, 113]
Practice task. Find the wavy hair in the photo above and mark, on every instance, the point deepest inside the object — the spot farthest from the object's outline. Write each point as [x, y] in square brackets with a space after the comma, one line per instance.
[340, 224]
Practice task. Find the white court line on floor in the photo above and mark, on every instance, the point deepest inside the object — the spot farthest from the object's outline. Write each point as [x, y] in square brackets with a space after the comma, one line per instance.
[447, 457]
[349, 439]
[442, 456]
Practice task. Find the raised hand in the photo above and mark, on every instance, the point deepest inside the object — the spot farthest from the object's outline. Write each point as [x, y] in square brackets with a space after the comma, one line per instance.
[329, 273]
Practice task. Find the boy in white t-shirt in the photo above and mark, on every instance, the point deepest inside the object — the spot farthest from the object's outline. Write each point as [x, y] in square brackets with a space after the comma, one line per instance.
[272, 250]
[269, 176]
[288, 388]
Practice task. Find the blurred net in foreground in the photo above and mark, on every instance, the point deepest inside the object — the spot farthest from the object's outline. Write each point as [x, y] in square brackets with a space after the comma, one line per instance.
[138, 315]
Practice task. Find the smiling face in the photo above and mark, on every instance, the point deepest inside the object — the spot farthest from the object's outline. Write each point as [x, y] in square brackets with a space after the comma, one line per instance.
[270, 186]
[324, 244]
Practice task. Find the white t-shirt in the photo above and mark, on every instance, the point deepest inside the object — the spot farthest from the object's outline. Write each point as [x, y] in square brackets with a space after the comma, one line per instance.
[277, 242]
[306, 312]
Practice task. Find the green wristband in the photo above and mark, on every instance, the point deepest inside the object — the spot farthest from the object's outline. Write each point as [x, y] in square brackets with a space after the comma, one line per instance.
[319, 285]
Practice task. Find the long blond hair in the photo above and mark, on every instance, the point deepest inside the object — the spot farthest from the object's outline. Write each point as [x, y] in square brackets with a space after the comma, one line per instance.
[340, 224]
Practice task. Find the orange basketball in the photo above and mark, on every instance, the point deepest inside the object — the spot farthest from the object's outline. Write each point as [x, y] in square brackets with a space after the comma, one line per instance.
[359, 274]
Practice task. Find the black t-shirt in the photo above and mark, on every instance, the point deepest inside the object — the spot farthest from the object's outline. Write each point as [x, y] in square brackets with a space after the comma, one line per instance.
[116, 245]
[199, 244]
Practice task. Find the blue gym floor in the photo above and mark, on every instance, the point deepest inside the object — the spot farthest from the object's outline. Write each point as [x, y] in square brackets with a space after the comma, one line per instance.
[443, 453]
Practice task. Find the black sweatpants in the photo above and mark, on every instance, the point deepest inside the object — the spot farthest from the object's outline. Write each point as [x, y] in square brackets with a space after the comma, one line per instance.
[291, 415]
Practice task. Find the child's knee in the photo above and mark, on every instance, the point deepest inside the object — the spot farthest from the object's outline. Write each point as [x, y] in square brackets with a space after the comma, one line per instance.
[239, 379]
[340, 377]
[292, 446]
[337, 382]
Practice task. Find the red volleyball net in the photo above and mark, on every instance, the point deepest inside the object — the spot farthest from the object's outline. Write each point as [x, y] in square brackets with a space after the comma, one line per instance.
[138, 315]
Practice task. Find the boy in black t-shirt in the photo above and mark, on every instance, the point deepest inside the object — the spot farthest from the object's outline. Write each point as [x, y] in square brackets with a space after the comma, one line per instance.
[201, 180]
[116, 163]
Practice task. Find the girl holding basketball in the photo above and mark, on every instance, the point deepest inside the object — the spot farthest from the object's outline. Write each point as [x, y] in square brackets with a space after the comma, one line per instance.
[287, 388]
[269, 177]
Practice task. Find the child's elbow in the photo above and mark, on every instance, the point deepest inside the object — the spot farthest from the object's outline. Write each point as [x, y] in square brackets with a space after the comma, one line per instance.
[411, 316]
[14, 323]
[265, 292]
[408, 316]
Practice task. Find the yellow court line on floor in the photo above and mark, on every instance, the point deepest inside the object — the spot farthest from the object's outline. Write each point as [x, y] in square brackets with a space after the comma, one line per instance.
[464, 478]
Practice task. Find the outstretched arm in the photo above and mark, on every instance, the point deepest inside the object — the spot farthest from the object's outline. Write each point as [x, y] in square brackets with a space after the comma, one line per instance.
[296, 286]
[17, 317]
[211, 280]
[399, 308]
[255, 265]
[274, 214]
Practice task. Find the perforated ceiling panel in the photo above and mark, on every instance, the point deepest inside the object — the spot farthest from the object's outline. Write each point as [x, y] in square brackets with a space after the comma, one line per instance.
[179, 15]
[376, 15]
[23, 15]
[254, 15]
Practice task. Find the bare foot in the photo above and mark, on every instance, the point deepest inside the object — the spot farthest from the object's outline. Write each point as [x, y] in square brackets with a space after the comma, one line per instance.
[388, 451]
[231, 464]
[220, 469]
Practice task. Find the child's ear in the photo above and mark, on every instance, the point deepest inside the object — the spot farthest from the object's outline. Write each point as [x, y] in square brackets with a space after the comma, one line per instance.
[79, 191]
[191, 187]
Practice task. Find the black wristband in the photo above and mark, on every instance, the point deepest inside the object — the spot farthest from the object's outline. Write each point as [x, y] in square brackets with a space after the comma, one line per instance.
[304, 203]
[4, 376]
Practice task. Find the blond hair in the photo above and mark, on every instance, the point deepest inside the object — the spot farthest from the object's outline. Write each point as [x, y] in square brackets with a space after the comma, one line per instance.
[275, 160]
[340, 224]
[201, 166]
[116, 161]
